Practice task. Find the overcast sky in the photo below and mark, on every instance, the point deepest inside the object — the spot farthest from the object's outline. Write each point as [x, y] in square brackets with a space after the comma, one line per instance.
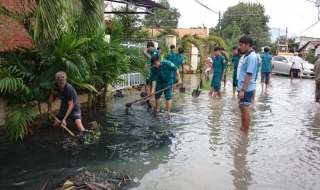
[297, 15]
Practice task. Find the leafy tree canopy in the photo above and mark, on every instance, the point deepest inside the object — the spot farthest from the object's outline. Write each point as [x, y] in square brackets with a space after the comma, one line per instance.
[250, 18]
[131, 23]
[163, 17]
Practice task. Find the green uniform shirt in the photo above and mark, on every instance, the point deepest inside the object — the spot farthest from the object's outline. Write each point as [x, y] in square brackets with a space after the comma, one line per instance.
[163, 74]
[151, 53]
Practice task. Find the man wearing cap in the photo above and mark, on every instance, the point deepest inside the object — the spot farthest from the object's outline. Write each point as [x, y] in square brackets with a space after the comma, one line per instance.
[161, 77]
[235, 61]
[70, 106]
[219, 70]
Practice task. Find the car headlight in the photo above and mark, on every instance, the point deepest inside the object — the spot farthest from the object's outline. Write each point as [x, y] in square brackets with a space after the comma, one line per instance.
[306, 69]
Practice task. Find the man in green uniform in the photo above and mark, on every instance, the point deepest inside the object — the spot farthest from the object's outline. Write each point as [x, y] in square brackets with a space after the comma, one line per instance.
[177, 60]
[219, 70]
[235, 62]
[161, 77]
[225, 55]
[172, 49]
[151, 50]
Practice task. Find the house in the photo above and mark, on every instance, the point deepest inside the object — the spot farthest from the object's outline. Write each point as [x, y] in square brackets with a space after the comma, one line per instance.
[308, 39]
[304, 44]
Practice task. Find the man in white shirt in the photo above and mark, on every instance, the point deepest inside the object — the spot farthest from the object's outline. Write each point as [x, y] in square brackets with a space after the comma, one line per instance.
[297, 63]
[239, 66]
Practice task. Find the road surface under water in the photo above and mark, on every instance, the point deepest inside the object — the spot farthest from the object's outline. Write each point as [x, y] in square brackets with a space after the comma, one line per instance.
[280, 152]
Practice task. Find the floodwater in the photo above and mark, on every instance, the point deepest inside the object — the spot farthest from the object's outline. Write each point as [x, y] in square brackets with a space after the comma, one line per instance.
[281, 151]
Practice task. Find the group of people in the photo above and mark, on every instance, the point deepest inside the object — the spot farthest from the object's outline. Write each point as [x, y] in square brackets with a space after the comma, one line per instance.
[164, 75]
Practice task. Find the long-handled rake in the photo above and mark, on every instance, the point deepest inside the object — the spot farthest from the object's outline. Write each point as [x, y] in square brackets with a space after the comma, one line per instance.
[128, 105]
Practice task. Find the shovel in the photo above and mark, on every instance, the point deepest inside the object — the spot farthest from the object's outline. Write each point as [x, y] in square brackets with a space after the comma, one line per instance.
[196, 92]
[63, 126]
[182, 89]
[128, 105]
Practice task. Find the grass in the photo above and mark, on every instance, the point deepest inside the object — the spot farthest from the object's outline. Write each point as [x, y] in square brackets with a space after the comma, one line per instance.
[207, 84]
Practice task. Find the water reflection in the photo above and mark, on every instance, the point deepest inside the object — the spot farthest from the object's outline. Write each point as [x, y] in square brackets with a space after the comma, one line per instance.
[241, 172]
[281, 151]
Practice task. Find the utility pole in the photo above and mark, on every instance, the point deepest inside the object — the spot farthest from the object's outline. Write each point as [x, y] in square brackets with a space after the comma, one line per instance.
[286, 36]
[219, 24]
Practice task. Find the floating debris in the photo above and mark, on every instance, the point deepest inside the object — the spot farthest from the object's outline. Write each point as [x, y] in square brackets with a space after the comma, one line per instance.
[104, 179]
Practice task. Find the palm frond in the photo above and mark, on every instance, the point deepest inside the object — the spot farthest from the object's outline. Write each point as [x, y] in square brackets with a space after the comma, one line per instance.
[19, 118]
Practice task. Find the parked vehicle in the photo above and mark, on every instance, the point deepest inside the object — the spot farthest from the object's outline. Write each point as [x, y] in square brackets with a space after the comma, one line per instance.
[282, 65]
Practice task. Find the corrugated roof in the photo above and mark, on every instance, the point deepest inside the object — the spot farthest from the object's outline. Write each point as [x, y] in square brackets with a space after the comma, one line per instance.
[141, 3]
[200, 32]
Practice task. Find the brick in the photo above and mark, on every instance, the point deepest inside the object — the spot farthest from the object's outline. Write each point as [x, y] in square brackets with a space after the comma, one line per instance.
[12, 33]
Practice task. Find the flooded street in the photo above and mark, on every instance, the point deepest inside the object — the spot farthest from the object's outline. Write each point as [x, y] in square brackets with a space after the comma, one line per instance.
[281, 151]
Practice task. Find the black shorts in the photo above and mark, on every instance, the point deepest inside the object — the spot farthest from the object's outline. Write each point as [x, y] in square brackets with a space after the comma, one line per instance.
[295, 70]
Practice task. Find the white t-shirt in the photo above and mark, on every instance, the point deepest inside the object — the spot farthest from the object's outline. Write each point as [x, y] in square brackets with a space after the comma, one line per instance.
[297, 62]
[239, 66]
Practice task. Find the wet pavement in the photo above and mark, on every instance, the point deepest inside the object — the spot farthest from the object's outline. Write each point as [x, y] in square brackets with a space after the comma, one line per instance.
[280, 152]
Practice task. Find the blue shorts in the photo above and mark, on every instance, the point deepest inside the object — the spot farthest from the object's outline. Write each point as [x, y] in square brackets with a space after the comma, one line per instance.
[246, 99]
[75, 114]
[167, 93]
[216, 83]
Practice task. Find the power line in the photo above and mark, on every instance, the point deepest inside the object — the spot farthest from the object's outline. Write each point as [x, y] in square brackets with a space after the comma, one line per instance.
[310, 27]
[205, 6]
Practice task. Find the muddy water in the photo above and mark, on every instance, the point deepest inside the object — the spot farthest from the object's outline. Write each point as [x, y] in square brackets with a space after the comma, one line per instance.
[280, 152]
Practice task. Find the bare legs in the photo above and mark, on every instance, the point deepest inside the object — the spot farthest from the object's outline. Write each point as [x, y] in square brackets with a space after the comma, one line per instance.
[245, 118]
[234, 90]
[78, 123]
[168, 106]
[299, 73]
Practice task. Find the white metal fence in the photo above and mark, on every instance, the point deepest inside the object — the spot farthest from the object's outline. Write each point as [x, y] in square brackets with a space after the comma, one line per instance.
[131, 79]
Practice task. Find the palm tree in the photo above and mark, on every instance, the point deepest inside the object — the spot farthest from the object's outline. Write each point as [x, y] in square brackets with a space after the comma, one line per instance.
[69, 37]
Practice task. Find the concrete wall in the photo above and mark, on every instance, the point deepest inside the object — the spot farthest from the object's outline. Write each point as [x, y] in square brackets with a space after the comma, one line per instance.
[194, 57]
[83, 98]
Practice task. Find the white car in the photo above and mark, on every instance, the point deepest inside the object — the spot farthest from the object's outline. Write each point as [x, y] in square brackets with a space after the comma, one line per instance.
[282, 65]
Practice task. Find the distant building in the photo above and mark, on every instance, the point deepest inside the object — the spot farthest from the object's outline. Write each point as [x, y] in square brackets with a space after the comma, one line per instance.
[192, 53]
[303, 44]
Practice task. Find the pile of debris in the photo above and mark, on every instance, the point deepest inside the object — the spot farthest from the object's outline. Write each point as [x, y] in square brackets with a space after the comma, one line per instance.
[103, 179]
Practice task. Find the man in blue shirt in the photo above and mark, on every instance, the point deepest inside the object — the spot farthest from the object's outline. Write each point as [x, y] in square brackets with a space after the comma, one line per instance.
[161, 77]
[151, 50]
[172, 49]
[246, 81]
[266, 63]
[235, 61]
[219, 70]
[177, 60]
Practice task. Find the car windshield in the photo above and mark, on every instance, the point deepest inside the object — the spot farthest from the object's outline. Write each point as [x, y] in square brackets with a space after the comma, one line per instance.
[289, 58]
